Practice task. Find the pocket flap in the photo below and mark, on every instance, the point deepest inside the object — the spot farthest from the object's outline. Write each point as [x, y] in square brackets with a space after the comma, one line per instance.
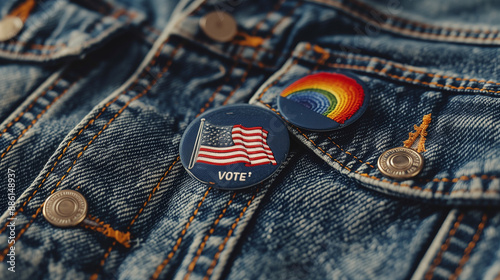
[59, 29]
[462, 160]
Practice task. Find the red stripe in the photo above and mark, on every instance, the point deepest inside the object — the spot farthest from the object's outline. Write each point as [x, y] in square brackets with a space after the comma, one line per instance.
[230, 157]
[249, 128]
[227, 163]
[248, 134]
[247, 140]
[234, 150]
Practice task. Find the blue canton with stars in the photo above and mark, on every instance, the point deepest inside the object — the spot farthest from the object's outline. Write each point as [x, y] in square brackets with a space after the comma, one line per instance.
[217, 136]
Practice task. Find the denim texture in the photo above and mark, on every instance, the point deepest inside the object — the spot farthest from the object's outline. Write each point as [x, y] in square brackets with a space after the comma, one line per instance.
[97, 101]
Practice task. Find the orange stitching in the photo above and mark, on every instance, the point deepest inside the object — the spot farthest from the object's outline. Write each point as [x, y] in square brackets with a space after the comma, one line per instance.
[294, 62]
[226, 239]
[69, 143]
[444, 247]
[429, 74]
[23, 10]
[469, 248]
[30, 106]
[405, 30]
[419, 131]
[425, 25]
[35, 120]
[156, 188]
[91, 141]
[370, 68]
[324, 57]
[322, 51]
[367, 163]
[249, 41]
[106, 229]
[101, 263]
[268, 14]
[462, 178]
[160, 268]
[53, 48]
[254, 56]
[205, 239]
[144, 92]
[6, 250]
[170, 255]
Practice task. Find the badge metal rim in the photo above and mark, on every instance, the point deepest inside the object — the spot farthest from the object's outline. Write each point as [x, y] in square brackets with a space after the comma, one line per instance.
[196, 122]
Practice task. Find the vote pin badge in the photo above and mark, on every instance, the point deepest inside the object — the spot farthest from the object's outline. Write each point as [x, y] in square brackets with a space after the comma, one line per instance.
[324, 101]
[234, 147]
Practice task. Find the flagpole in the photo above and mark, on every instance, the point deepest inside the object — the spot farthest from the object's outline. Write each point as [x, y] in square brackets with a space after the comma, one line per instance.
[197, 145]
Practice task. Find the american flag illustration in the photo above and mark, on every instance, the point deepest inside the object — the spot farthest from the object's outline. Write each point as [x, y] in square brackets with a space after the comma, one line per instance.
[224, 145]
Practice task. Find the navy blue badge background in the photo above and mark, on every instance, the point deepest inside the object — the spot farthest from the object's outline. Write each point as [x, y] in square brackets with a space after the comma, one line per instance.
[247, 116]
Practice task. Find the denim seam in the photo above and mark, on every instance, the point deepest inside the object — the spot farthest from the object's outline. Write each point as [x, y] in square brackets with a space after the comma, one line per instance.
[474, 37]
[242, 80]
[256, 50]
[213, 264]
[160, 267]
[454, 180]
[241, 48]
[470, 247]
[18, 117]
[108, 251]
[54, 48]
[349, 153]
[153, 61]
[444, 247]
[35, 120]
[384, 72]
[171, 254]
[321, 50]
[144, 92]
[193, 262]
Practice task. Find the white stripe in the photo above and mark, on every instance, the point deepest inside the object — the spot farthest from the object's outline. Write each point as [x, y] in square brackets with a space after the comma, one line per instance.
[249, 138]
[223, 160]
[265, 160]
[249, 150]
[256, 144]
[248, 131]
[230, 154]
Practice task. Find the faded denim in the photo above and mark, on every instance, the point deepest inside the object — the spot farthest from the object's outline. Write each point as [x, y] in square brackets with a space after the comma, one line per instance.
[97, 101]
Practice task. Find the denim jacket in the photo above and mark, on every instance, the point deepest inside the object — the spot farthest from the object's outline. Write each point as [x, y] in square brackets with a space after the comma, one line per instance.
[96, 97]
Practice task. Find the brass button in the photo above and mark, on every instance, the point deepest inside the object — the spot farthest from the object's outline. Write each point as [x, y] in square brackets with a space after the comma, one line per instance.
[65, 208]
[9, 27]
[219, 26]
[400, 163]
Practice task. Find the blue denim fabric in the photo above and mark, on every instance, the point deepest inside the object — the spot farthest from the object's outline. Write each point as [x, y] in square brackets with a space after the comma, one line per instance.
[97, 101]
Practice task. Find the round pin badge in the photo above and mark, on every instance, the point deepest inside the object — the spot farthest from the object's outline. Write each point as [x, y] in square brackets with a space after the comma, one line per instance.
[234, 147]
[324, 101]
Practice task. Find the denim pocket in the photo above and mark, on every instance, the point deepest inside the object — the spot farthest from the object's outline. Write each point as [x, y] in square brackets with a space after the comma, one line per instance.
[60, 29]
[461, 157]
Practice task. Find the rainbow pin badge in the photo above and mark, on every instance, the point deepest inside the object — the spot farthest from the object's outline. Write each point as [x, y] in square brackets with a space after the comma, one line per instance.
[324, 101]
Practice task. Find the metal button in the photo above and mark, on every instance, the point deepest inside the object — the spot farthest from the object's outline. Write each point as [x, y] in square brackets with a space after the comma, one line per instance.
[9, 27]
[400, 163]
[219, 26]
[65, 208]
